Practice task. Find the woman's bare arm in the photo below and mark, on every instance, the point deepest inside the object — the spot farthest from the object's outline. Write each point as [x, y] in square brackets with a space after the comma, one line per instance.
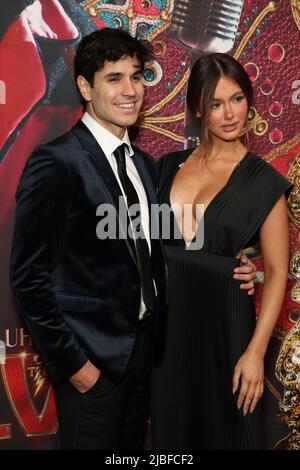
[275, 250]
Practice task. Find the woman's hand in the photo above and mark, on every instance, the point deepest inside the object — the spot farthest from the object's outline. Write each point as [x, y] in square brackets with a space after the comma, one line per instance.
[250, 369]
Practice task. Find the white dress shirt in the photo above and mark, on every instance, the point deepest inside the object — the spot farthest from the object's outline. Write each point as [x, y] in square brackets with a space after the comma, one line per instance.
[109, 143]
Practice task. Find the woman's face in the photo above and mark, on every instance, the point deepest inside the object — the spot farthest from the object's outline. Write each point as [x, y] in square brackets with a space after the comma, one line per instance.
[229, 110]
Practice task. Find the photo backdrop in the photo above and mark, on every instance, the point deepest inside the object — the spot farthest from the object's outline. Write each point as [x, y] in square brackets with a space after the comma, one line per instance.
[38, 101]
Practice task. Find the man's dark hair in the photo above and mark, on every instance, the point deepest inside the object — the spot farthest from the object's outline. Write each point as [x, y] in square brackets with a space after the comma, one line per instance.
[108, 44]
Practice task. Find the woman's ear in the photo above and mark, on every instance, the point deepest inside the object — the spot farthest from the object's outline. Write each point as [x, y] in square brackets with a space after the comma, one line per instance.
[198, 115]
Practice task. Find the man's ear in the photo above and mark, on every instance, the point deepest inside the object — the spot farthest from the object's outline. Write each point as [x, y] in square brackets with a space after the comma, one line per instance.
[84, 87]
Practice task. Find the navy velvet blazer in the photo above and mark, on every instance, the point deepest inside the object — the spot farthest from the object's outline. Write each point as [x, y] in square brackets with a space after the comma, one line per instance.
[79, 296]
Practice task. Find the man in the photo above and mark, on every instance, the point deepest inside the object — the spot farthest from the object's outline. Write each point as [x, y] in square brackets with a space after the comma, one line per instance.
[88, 302]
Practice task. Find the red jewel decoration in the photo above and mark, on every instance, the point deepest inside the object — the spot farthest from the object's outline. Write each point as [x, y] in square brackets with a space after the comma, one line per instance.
[159, 48]
[276, 136]
[252, 70]
[275, 109]
[267, 87]
[276, 53]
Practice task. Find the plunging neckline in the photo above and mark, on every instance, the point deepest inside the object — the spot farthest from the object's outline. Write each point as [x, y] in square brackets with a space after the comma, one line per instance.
[211, 202]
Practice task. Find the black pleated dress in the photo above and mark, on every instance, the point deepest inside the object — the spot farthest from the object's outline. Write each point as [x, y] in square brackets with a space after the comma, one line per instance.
[210, 320]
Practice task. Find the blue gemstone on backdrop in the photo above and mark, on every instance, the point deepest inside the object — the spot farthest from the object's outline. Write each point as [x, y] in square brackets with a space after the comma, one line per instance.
[149, 75]
[247, 21]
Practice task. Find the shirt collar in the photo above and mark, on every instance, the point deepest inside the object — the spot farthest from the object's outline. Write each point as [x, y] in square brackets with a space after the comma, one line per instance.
[107, 141]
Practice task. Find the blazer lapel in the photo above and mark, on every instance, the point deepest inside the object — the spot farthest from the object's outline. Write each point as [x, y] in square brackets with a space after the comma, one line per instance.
[105, 174]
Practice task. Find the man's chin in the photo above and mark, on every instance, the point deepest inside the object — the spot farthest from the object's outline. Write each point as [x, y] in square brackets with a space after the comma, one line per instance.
[129, 121]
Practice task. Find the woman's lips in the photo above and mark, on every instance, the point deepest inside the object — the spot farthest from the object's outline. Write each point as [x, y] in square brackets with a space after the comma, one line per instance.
[230, 127]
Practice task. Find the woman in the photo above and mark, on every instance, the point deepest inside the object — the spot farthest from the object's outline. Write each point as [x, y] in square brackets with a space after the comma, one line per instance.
[210, 370]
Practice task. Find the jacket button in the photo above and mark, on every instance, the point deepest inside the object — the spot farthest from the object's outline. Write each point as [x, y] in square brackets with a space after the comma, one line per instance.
[135, 287]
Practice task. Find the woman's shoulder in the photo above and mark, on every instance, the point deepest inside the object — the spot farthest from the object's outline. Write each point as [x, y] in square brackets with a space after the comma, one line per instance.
[266, 175]
[260, 164]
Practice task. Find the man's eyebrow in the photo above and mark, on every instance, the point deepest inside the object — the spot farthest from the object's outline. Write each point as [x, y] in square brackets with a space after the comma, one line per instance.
[113, 74]
[119, 74]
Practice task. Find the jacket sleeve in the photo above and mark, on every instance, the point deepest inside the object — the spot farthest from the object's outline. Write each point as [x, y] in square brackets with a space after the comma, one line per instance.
[42, 201]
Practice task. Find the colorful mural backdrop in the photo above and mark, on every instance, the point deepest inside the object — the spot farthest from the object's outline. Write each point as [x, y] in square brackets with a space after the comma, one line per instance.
[38, 101]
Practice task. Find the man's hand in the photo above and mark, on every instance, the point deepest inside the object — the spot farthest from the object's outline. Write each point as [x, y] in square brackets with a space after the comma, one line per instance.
[85, 378]
[246, 273]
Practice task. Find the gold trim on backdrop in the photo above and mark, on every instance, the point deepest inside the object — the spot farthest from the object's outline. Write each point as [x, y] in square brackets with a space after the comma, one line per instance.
[176, 117]
[282, 149]
[295, 293]
[294, 198]
[164, 132]
[268, 9]
[295, 5]
[255, 123]
[287, 371]
[158, 106]
[295, 265]
[147, 122]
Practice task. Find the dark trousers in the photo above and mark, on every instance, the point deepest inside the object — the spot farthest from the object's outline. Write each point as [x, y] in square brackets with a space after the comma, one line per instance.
[109, 416]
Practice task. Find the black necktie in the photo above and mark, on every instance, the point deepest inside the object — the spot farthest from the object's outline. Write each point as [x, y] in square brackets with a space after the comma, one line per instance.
[142, 250]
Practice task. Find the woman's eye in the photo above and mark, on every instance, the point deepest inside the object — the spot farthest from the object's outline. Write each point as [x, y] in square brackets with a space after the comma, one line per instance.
[215, 105]
[239, 98]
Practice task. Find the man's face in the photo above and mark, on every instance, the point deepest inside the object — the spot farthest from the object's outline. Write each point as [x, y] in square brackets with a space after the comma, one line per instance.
[117, 94]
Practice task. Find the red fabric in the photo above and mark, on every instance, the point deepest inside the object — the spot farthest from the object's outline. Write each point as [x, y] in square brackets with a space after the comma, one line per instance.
[21, 68]
[48, 19]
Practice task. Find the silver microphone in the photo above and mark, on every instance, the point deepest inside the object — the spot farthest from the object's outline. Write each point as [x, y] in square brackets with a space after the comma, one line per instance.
[204, 26]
